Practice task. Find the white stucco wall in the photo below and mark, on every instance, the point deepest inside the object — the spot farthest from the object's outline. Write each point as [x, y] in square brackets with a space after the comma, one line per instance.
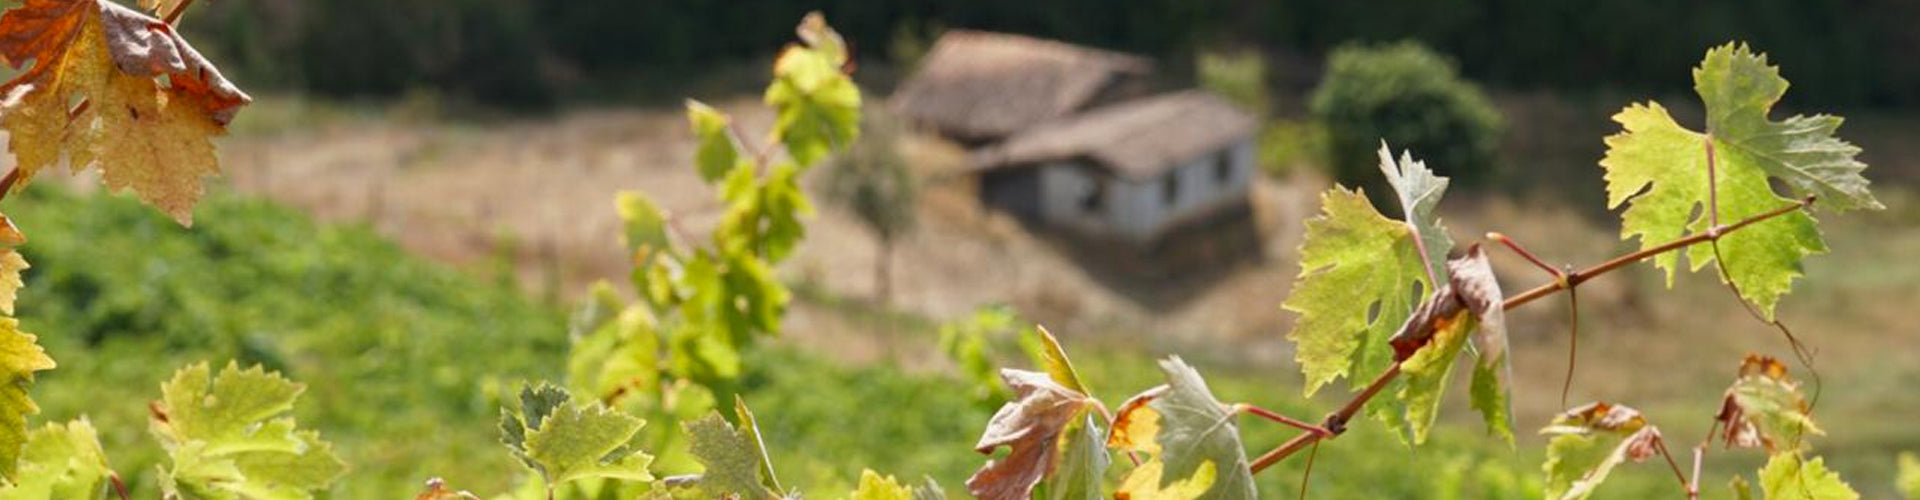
[1139, 209]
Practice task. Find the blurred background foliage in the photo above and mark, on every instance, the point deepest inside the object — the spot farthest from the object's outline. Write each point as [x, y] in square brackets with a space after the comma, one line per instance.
[1411, 98]
[528, 53]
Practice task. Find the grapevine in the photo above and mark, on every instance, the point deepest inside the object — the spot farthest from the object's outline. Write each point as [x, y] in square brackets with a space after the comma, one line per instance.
[643, 412]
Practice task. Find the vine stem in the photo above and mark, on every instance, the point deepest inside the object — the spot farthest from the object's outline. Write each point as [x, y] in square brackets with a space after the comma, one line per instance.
[6, 183]
[1336, 423]
[174, 16]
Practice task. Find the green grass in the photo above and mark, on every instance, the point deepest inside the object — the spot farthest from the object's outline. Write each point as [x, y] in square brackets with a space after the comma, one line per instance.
[404, 361]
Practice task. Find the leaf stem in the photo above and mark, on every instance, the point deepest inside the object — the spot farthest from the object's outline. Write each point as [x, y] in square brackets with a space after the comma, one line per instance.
[1336, 423]
[119, 487]
[1685, 484]
[6, 183]
[174, 16]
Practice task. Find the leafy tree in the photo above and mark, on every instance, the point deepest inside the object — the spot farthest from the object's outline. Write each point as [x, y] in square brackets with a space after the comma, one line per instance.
[1404, 94]
[874, 180]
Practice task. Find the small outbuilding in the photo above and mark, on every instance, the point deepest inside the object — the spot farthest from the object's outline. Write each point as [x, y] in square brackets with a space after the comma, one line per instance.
[1132, 170]
[979, 87]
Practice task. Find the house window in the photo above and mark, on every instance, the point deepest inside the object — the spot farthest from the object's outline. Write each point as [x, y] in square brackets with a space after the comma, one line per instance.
[1095, 198]
[1170, 189]
[1223, 167]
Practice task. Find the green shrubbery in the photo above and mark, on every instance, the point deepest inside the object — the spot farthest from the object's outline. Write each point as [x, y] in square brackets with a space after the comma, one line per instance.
[1410, 97]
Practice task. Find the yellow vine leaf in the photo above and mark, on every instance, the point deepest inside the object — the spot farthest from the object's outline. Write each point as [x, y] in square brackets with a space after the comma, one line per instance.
[1144, 483]
[113, 87]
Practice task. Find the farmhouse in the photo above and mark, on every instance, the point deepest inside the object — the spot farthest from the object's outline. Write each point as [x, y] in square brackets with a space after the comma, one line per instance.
[1069, 136]
[977, 87]
[1133, 170]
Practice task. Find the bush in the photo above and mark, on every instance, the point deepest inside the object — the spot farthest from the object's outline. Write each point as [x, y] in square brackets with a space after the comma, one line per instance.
[1410, 97]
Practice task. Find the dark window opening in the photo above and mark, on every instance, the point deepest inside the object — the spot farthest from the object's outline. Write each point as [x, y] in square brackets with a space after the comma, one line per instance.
[1170, 190]
[1095, 198]
[1223, 167]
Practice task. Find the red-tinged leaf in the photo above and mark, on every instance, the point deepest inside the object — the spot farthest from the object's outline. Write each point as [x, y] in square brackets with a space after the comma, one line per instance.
[1030, 426]
[1589, 441]
[113, 87]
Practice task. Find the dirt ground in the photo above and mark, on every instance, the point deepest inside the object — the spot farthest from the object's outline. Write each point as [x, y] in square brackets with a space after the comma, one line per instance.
[543, 190]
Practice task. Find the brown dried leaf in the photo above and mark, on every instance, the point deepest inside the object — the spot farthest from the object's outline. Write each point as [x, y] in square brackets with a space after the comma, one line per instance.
[1030, 426]
[1589, 441]
[1764, 408]
[114, 87]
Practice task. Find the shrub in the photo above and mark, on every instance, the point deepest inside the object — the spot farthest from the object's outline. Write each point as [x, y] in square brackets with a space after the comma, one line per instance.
[1409, 96]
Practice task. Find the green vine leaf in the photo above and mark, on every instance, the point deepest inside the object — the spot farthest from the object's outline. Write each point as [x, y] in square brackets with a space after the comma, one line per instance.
[1764, 409]
[1661, 170]
[1193, 431]
[718, 152]
[1144, 483]
[1908, 478]
[874, 486]
[566, 442]
[20, 356]
[817, 105]
[1588, 441]
[1427, 373]
[1788, 476]
[733, 462]
[1419, 192]
[1353, 261]
[1083, 462]
[60, 461]
[1054, 361]
[229, 437]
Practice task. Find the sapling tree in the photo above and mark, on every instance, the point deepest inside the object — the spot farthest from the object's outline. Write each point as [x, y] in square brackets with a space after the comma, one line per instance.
[874, 180]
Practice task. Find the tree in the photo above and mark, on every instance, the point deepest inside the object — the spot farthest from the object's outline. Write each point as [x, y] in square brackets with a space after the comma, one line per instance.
[876, 182]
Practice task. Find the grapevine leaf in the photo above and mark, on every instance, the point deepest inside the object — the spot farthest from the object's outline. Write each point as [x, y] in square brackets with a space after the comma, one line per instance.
[646, 223]
[621, 354]
[1741, 490]
[147, 136]
[1908, 480]
[718, 152]
[874, 486]
[732, 462]
[1144, 483]
[817, 105]
[1662, 169]
[814, 32]
[60, 461]
[20, 356]
[229, 436]
[1788, 476]
[1469, 306]
[750, 427]
[929, 490]
[1427, 372]
[1196, 429]
[1357, 279]
[1054, 360]
[1419, 192]
[1764, 408]
[565, 442]
[1471, 277]
[11, 264]
[1588, 441]
[1083, 462]
[1031, 425]
[1740, 89]
[1136, 427]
